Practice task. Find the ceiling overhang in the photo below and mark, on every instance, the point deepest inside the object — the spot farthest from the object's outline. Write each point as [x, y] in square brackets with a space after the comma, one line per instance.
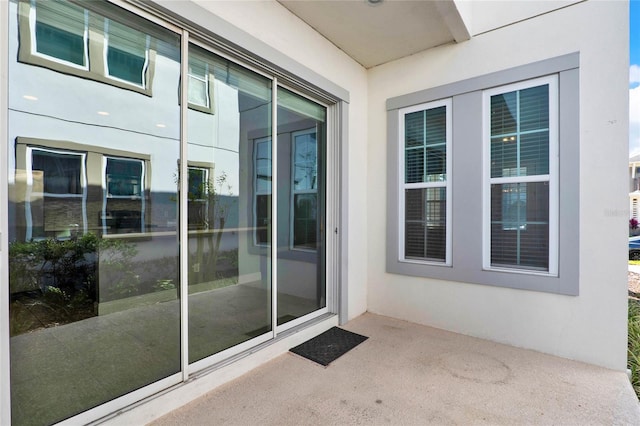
[376, 33]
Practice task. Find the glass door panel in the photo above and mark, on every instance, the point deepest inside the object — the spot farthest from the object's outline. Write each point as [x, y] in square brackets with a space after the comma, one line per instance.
[93, 255]
[229, 213]
[301, 206]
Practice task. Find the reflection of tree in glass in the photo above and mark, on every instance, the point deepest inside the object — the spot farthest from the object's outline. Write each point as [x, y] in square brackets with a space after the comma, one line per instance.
[207, 216]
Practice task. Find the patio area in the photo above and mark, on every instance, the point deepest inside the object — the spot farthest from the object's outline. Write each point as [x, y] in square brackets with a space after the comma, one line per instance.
[411, 374]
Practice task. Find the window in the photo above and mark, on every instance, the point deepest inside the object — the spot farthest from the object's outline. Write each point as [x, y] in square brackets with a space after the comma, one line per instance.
[61, 32]
[124, 196]
[520, 142]
[304, 190]
[124, 177]
[198, 86]
[57, 204]
[198, 183]
[262, 191]
[197, 198]
[514, 137]
[65, 37]
[424, 190]
[126, 53]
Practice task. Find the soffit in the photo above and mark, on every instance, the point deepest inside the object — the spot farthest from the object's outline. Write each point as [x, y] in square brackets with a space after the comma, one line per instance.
[388, 30]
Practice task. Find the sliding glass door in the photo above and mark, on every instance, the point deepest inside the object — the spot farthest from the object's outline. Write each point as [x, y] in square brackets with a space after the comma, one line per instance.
[120, 284]
[229, 261]
[301, 208]
[94, 144]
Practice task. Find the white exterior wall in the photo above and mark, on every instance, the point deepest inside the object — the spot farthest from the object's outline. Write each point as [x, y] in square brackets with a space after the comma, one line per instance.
[592, 326]
[274, 25]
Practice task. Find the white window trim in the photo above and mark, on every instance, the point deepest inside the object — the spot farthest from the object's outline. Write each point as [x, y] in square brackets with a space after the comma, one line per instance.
[551, 178]
[295, 192]
[443, 184]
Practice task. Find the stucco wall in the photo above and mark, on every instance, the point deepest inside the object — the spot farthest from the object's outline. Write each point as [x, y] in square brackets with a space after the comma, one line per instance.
[274, 25]
[592, 326]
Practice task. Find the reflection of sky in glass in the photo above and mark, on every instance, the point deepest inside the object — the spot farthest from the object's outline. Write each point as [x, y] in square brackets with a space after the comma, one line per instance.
[305, 164]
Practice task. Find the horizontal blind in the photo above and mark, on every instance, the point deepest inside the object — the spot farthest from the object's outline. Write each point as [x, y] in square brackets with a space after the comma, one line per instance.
[425, 169]
[519, 147]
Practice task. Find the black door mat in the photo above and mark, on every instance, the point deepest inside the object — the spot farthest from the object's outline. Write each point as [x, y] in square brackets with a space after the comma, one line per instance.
[329, 346]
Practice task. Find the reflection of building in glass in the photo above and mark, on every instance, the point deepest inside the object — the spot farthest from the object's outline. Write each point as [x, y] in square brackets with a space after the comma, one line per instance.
[95, 157]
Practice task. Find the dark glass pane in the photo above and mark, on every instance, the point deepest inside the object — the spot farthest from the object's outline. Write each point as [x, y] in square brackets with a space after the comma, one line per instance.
[197, 183]
[305, 212]
[61, 173]
[534, 108]
[263, 218]
[414, 129]
[414, 165]
[534, 153]
[425, 224]
[436, 163]
[520, 225]
[425, 145]
[125, 66]
[436, 125]
[59, 31]
[124, 177]
[503, 114]
[504, 152]
[60, 44]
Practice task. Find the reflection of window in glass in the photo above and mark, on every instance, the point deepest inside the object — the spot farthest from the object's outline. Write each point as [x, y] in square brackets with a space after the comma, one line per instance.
[198, 180]
[199, 83]
[124, 202]
[521, 137]
[57, 205]
[124, 177]
[304, 190]
[61, 172]
[57, 35]
[514, 202]
[126, 52]
[262, 192]
[60, 30]
[425, 132]
[198, 191]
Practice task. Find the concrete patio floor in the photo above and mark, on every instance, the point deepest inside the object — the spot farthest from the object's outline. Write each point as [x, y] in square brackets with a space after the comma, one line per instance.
[408, 374]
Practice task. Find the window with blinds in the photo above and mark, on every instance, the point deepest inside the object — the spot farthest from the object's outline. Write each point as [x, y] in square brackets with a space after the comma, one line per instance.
[521, 144]
[425, 161]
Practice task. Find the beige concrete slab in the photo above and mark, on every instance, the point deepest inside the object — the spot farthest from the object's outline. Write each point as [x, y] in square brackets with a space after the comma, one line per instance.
[407, 374]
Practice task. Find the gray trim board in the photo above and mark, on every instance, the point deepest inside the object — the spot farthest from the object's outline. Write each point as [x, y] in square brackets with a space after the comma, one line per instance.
[487, 81]
[343, 223]
[467, 183]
